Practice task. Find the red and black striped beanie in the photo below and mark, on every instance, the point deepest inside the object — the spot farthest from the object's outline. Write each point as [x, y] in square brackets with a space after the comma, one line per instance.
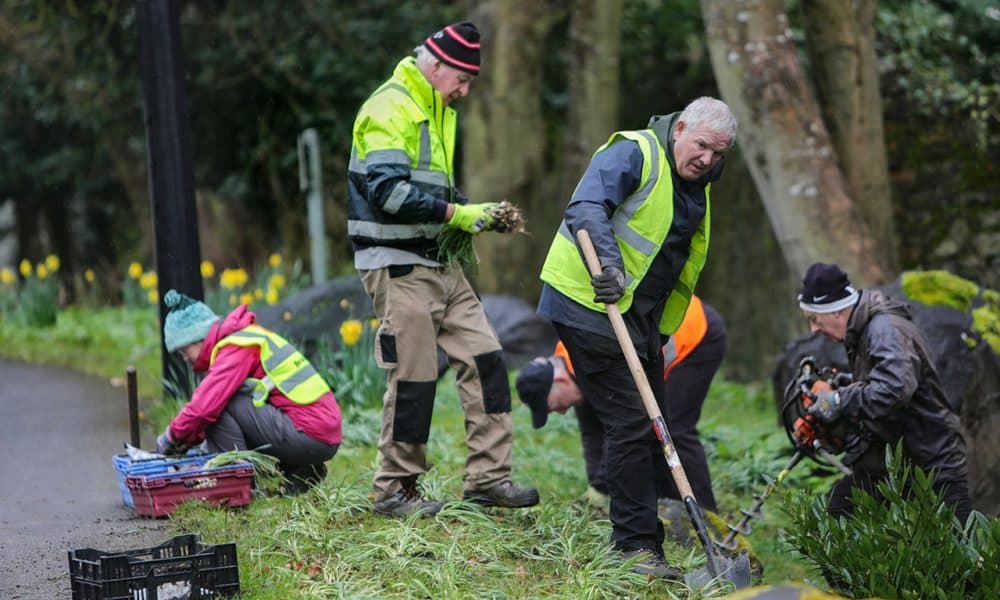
[456, 45]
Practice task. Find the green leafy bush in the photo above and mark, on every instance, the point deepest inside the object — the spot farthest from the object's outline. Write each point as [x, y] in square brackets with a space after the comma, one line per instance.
[909, 546]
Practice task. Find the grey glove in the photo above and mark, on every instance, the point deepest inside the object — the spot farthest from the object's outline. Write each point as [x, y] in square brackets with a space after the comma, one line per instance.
[826, 406]
[609, 285]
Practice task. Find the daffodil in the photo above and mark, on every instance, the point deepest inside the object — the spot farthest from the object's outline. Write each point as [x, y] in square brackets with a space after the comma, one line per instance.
[232, 279]
[246, 298]
[271, 297]
[276, 281]
[345, 303]
[207, 269]
[350, 331]
[135, 270]
[42, 271]
[148, 280]
[373, 324]
[233, 299]
[154, 296]
[89, 276]
[25, 268]
[287, 315]
[274, 260]
[258, 294]
[7, 276]
[52, 263]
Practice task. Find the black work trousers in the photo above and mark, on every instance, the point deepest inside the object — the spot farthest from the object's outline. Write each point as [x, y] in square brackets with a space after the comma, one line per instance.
[685, 391]
[636, 471]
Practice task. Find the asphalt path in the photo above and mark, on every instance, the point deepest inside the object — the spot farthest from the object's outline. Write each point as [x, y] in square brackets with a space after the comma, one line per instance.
[58, 487]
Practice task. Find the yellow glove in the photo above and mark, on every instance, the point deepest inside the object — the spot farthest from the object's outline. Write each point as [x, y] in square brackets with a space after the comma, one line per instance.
[472, 218]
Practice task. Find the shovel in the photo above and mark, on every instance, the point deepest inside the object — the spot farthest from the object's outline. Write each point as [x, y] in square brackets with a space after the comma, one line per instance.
[735, 570]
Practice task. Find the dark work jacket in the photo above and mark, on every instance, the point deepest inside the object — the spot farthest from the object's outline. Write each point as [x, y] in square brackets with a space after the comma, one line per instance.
[897, 389]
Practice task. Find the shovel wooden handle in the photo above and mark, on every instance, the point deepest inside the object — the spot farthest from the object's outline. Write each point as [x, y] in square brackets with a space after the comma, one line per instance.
[638, 374]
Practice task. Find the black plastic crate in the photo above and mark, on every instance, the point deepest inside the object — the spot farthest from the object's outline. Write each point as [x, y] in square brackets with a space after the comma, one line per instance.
[182, 568]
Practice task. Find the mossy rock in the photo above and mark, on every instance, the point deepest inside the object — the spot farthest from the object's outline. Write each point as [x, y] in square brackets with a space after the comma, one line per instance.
[941, 288]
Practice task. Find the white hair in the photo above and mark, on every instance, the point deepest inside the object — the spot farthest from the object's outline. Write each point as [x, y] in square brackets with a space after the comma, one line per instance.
[425, 60]
[712, 114]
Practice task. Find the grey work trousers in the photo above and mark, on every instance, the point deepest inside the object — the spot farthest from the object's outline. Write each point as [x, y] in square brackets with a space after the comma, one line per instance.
[420, 308]
[243, 426]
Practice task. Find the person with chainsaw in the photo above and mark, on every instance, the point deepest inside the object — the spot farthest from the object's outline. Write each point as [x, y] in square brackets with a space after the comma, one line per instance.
[894, 393]
[692, 356]
[258, 392]
[644, 200]
[401, 194]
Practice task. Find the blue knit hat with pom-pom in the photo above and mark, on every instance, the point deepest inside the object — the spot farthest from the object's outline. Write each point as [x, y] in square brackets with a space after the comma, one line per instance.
[188, 321]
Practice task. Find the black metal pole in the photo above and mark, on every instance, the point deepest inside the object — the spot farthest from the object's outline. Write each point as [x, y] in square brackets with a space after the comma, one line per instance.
[168, 148]
[133, 406]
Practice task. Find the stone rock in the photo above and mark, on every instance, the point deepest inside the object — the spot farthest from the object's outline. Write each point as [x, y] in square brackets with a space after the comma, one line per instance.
[970, 377]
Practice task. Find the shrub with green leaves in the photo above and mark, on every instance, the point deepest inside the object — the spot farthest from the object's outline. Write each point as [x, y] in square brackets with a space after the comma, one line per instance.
[909, 546]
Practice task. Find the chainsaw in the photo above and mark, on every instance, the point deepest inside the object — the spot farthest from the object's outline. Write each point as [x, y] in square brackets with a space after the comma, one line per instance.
[809, 436]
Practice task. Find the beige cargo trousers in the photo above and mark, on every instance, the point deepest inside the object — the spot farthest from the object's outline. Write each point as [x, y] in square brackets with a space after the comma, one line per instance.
[419, 309]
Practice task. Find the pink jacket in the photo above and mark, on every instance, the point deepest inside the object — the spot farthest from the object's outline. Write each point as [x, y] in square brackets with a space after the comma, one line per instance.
[234, 364]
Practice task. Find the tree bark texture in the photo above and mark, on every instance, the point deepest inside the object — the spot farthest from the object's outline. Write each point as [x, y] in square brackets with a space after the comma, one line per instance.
[504, 140]
[785, 142]
[594, 51]
[840, 40]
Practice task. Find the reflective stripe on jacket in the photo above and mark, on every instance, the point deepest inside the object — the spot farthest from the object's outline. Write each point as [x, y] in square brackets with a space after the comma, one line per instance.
[401, 169]
[285, 367]
[641, 224]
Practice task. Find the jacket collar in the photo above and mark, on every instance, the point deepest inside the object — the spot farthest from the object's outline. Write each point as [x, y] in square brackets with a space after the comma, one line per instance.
[420, 89]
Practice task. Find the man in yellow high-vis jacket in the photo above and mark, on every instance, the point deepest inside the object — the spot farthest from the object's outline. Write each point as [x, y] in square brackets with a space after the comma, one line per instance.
[644, 200]
[401, 194]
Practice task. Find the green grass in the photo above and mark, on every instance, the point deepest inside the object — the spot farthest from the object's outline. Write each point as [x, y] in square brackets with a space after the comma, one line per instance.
[327, 543]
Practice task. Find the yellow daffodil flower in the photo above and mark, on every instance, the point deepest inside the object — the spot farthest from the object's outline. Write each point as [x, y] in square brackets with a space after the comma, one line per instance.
[258, 294]
[233, 299]
[135, 270]
[350, 331]
[276, 281]
[207, 269]
[232, 279]
[246, 298]
[42, 271]
[52, 263]
[148, 280]
[271, 297]
[7, 276]
[89, 276]
[154, 296]
[25, 268]
[274, 260]
[373, 324]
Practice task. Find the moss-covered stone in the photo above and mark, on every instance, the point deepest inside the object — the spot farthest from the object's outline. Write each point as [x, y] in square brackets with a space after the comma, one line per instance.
[939, 288]
[986, 319]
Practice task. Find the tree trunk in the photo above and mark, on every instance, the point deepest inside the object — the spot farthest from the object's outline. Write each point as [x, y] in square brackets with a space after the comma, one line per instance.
[784, 140]
[594, 50]
[503, 136]
[840, 39]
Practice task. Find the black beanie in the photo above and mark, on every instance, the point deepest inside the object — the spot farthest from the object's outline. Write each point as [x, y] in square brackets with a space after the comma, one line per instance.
[826, 289]
[457, 46]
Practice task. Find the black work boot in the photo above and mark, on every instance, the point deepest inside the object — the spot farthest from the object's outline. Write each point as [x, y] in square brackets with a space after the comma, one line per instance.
[650, 563]
[506, 494]
[408, 501]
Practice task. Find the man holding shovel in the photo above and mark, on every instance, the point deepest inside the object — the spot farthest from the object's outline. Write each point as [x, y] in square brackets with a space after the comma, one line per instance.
[644, 200]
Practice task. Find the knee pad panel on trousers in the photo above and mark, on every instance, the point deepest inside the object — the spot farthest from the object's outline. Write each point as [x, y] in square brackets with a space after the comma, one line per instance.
[496, 385]
[414, 408]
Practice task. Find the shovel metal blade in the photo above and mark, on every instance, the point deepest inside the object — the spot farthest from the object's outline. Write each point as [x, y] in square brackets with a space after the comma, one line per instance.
[732, 569]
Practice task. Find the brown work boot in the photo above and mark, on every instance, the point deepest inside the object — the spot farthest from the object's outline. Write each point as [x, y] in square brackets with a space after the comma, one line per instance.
[408, 501]
[506, 494]
[650, 563]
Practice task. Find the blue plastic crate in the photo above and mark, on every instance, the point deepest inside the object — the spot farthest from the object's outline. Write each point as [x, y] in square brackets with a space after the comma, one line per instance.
[126, 466]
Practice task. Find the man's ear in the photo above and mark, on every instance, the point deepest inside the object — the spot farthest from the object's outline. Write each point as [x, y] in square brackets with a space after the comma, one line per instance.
[678, 128]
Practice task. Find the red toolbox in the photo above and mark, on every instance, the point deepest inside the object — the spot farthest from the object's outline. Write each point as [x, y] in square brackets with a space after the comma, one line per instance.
[157, 495]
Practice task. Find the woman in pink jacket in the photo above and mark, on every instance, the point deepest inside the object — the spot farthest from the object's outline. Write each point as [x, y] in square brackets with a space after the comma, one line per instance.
[257, 392]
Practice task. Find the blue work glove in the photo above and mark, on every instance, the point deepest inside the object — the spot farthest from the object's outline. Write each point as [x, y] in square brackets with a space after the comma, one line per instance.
[472, 218]
[166, 445]
[609, 285]
[827, 406]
